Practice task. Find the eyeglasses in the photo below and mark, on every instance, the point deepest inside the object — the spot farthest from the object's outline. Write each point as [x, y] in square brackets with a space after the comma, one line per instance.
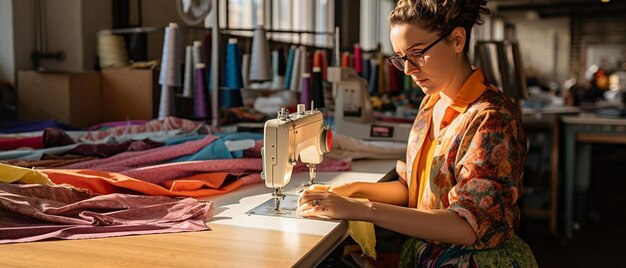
[416, 58]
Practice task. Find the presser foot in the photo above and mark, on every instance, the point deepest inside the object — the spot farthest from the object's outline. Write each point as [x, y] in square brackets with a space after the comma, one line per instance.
[287, 208]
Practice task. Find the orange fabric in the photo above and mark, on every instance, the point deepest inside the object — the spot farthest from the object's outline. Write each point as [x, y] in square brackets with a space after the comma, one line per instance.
[109, 182]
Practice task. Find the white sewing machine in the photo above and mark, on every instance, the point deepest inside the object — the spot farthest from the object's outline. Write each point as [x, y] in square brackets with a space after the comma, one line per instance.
[303, 135]
[353, 109]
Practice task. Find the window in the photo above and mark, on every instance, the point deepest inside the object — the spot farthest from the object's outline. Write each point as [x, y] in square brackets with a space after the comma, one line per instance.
[287, 15]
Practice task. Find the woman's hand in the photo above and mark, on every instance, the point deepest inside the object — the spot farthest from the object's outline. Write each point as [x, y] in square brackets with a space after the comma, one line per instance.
[321, 202]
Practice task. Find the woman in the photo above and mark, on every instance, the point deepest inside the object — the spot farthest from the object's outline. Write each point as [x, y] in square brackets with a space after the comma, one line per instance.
[457, 196]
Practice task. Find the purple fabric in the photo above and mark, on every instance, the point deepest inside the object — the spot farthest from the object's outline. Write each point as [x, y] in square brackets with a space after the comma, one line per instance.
[32, 212]
[17, 126]
[128, 160]
[53, 137]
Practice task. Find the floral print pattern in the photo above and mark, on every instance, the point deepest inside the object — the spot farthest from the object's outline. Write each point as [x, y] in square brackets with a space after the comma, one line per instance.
[478, 161]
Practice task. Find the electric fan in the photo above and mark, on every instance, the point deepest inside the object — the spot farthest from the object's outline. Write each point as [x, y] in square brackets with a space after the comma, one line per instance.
[193, 12]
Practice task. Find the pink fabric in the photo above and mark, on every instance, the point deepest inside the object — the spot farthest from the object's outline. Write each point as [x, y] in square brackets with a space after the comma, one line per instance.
[168, 123]
[32, 212]
[128, 160]
[158, 173]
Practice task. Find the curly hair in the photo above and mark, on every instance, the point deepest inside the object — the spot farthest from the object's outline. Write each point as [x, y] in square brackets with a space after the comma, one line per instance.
[440, 16]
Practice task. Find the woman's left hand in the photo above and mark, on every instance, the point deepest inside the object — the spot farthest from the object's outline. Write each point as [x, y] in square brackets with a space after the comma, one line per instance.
[318, 202]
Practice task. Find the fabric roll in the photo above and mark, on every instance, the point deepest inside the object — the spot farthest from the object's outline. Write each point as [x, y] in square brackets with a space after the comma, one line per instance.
[201, 93]
[278, 81]
[305, 60]
[305, 90]
[188, 81]
[260, 70]
[296, 73]
[358, 59]
[317, 88]
[289, 67]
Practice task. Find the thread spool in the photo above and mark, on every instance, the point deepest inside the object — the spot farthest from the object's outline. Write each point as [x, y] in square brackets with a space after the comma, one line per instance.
[245, 69]
[201, 93]
[382, 79]
[260, 60]
[373, 77]
[296, 73]
[170, 70]
[198, 57]
[305, 90]
[278, 81]
[367, 68]
[232, 71]
[233, 81]
[324, 65]
[392, 77]
[358, 59]
[111, 50]
[289, 69]
[345, 60]
[317, 88]
[188, 80]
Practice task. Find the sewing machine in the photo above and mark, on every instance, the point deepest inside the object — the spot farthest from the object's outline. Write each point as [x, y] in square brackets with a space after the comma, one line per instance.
[303, 135]
[353, 109]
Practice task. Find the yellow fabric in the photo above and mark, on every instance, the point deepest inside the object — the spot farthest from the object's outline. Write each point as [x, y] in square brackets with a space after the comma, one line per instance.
[9, 174]
[425, 163]
[363, 234]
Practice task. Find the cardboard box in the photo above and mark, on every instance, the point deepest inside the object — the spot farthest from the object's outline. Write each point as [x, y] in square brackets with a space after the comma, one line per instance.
[71, 98]
[129, 94]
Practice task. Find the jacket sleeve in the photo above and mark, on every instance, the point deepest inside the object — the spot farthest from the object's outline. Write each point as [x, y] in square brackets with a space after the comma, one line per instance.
[491, 157]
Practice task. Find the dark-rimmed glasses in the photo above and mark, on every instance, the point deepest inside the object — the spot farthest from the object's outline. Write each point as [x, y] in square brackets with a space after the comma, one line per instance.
[416, 57]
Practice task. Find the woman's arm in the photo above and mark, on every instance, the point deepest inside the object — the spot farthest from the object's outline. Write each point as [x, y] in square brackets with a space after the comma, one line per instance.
[437, 225]
[391, 192]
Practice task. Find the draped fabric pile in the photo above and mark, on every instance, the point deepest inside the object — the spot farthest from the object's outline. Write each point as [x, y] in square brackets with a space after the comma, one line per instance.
[126, 179]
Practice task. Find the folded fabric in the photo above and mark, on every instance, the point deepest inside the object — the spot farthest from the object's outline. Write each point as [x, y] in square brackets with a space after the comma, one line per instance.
[158, 173]
[350, 148]
[49, 161]
[127, 160]
[159, 125]
[103, 182]
[30, 212]
[106, 125]
[9, 174]
[16, 143]
[36, 154]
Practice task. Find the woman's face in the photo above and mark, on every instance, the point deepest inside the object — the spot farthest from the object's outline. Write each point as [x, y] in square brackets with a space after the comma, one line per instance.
[441, 60]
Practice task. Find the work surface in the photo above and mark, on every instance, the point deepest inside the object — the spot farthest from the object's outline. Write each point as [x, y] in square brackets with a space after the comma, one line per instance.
[236, 239]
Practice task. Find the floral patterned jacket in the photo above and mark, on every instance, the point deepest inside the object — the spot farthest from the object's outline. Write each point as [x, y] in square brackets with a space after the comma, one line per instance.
[478, 161]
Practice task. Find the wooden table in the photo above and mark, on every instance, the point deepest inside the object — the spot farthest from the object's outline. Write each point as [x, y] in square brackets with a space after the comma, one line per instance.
[236, 239]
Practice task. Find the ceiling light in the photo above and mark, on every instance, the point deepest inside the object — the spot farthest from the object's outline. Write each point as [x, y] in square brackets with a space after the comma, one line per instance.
[605, 1]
